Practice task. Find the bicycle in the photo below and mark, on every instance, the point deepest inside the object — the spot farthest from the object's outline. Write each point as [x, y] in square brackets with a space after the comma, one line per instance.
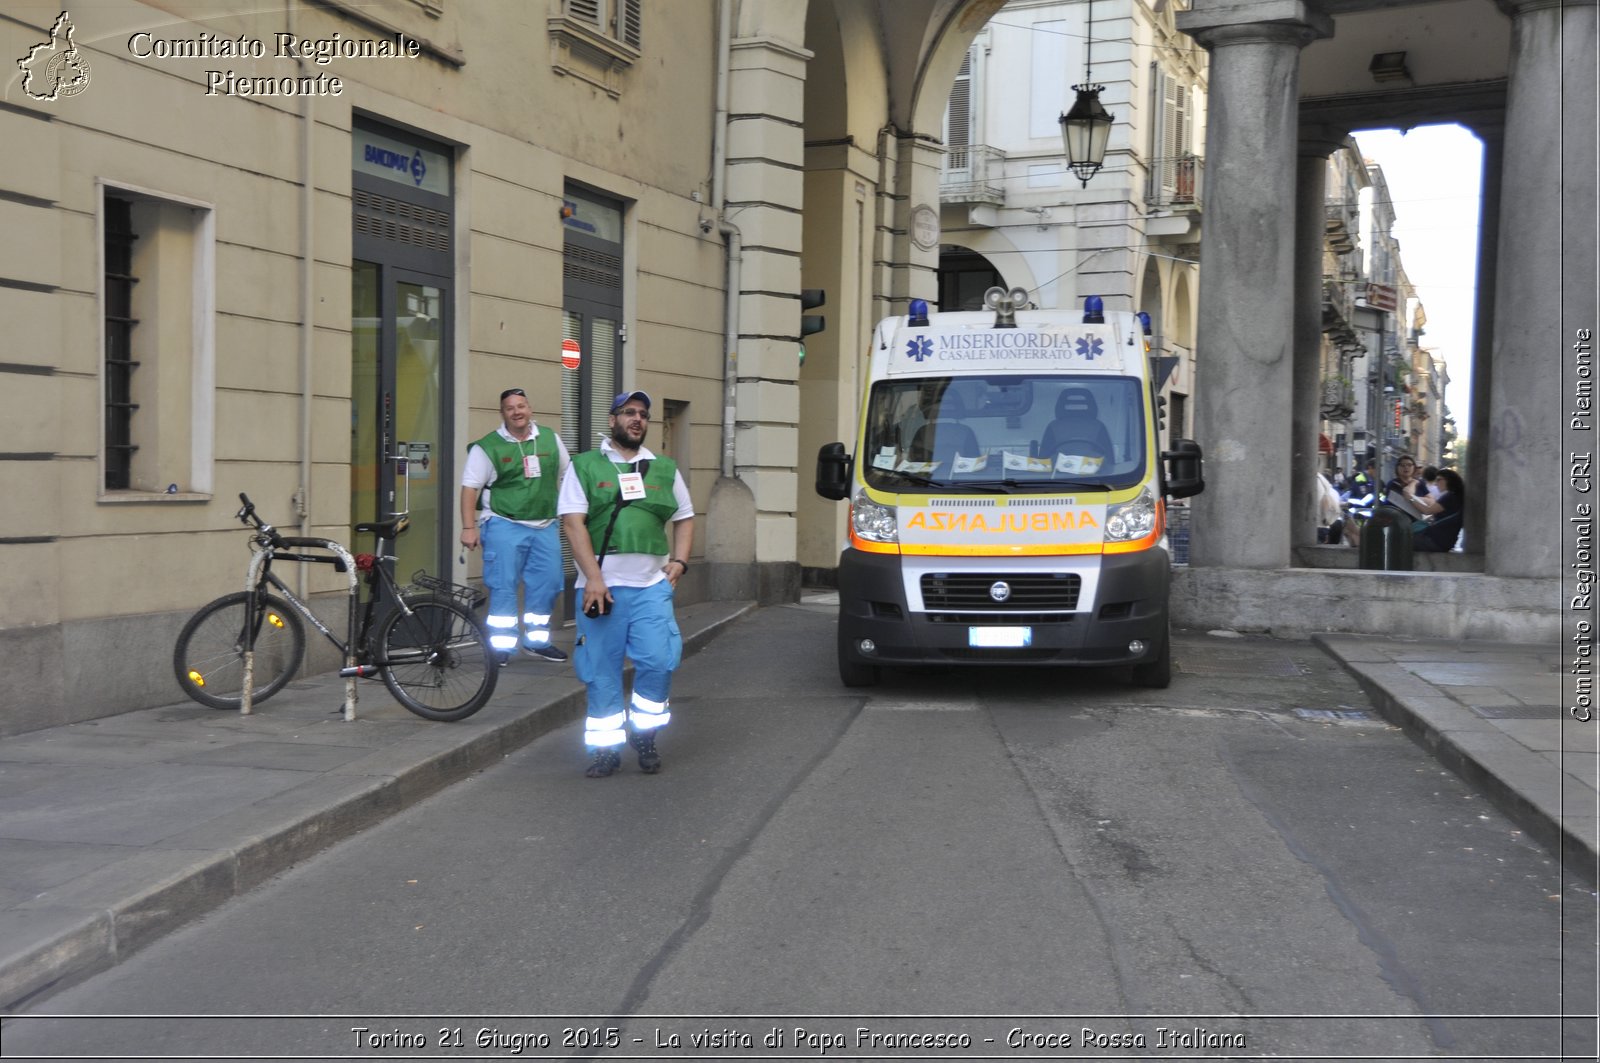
[430, 650]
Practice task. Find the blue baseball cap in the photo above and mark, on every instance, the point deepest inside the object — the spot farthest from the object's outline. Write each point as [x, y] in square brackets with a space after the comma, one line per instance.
[622, 400]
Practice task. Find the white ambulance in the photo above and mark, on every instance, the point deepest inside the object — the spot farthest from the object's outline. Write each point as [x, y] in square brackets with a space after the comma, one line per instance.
[1008, 495]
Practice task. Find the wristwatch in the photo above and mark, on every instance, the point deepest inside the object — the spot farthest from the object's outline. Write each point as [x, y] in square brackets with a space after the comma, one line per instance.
[680, 561]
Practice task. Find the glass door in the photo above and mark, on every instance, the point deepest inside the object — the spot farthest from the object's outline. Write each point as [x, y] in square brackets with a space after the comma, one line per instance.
[399, 412]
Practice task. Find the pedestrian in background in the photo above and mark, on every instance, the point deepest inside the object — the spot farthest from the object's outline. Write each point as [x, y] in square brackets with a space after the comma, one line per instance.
[637, 507]
[522, 465]
[1430, 478]
[1444, 512]
[1405, 480]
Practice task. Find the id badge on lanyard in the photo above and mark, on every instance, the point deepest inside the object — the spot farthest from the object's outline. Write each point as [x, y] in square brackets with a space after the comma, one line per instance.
[530, 466]
[632, 484]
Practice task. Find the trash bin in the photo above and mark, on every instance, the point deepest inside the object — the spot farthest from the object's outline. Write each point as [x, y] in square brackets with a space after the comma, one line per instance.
[1386, 541]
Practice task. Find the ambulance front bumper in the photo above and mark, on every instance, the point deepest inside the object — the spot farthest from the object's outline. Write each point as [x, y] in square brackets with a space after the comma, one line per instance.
[1099, 610]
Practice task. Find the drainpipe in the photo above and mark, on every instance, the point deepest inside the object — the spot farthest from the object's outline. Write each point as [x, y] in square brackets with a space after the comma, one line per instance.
[730, 233]
[307, 301]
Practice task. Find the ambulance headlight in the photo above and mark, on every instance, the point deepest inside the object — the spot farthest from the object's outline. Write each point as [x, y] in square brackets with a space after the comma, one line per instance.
[1133, 519]
[873, 521]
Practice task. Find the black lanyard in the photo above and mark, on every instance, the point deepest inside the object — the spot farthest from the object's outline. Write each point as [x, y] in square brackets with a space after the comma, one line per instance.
[641, 467]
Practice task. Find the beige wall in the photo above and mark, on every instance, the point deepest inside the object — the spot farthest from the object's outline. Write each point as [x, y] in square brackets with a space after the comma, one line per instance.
[487, 85]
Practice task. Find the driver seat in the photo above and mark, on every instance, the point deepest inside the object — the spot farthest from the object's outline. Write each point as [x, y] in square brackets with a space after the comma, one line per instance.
[1077, 417]
[942, 440]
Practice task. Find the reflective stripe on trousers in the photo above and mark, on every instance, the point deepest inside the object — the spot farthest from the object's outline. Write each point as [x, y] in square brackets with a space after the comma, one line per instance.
[519, 557]
[641, 626]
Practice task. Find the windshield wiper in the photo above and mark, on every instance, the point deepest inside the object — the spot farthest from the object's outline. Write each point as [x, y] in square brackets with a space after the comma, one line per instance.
[1007, 485]
[911, 477]
[1081, 485]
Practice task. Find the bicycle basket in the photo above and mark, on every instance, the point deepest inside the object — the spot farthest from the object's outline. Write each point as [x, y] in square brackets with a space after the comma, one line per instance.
[471, 597]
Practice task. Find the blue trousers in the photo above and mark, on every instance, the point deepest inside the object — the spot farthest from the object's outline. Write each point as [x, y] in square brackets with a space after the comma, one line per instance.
[640, 626]
[514, 556]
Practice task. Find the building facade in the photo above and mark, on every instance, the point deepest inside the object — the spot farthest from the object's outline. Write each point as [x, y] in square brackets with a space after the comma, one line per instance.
[1012, 214]
[278, 250]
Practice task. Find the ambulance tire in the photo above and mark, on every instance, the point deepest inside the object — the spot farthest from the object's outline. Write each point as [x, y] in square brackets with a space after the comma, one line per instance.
[1157, 673]
[852, 673]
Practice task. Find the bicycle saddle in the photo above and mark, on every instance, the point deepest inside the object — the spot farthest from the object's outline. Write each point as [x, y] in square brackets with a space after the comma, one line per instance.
[386, 529]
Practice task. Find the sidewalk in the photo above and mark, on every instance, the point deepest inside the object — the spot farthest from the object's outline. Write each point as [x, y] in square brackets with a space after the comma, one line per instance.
[114, 832]
[1494, 714]
[117, 831]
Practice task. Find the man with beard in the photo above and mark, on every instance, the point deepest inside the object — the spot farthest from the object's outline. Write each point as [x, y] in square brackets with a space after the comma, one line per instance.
[636, 506]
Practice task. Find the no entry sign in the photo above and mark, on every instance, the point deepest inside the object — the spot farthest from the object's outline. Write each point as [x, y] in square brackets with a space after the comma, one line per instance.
[570, 354]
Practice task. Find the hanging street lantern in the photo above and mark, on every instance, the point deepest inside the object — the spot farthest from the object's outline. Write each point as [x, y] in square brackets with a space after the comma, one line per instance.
[1085, 131]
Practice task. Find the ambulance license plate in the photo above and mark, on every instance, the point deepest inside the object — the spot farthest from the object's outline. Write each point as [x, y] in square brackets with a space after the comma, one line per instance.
[1009, 638]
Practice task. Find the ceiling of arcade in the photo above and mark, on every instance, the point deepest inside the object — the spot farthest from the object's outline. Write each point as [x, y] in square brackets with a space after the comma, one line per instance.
[891, 62]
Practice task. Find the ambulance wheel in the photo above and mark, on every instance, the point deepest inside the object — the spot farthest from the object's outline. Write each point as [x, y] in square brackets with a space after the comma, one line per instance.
[852, 673]
[1157, 673]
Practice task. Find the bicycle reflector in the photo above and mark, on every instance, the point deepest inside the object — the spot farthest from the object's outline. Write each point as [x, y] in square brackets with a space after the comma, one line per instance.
[274, 619]
[364, 562]
[196, 678]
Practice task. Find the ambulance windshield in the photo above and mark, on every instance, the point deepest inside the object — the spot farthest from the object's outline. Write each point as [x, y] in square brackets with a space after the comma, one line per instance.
[1005, 432]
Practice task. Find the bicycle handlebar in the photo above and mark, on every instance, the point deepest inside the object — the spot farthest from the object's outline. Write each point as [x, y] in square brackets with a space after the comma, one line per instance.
[247, 515]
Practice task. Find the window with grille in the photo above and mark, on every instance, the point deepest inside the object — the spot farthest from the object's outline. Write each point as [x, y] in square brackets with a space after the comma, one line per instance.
[119, 325]
[157, 360]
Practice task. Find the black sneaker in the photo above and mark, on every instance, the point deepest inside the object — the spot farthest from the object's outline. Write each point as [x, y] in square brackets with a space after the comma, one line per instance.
[603, 762]
[548, 652]
[644, 743]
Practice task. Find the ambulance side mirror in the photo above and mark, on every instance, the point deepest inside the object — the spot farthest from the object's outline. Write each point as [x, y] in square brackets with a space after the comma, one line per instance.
[833, 472]
[1185, 469]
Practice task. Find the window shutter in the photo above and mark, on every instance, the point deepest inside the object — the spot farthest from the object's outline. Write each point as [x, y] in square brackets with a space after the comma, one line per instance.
[1171, 111]
[584, 11]
[632, 15]
[958, 118]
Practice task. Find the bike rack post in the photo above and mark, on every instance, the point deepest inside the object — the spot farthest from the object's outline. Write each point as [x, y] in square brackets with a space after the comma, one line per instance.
[252, 581]
[350, 650]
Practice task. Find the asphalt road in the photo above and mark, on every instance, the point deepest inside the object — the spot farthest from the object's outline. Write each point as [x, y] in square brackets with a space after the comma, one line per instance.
[1250, 861]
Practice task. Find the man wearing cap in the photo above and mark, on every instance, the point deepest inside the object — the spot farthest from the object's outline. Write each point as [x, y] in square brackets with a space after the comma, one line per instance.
[630, 523]
[522, 466]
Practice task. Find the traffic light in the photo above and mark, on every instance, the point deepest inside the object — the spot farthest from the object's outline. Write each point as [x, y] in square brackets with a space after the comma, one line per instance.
[810, 324]
[810, 299]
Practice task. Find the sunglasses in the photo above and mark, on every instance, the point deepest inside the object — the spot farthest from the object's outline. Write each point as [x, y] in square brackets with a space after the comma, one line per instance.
[508, 392]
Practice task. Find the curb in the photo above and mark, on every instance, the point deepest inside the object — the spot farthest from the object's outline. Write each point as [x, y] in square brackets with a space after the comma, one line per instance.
[168, 889]
[1438, 724]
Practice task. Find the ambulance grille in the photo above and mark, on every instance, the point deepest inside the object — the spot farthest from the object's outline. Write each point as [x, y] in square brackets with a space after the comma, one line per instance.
[1030, 592]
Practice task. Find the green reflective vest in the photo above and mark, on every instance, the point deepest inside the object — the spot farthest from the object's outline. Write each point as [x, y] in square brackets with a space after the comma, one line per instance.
[641, 525]
[513, 495]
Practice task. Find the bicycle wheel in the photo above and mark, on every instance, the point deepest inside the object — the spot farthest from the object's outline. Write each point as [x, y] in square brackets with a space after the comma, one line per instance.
[209, 657]
[436, 660]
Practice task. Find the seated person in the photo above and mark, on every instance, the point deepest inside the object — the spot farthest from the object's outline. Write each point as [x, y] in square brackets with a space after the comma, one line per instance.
[1445, 507]
[1330, 512]
[1405, 479]
[1440, 535]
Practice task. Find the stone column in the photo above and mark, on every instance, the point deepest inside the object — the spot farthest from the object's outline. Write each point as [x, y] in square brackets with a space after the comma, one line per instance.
[766, 154]
[1317, 142]
[1547, 212]
[1475, 527]
[1246, 314]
